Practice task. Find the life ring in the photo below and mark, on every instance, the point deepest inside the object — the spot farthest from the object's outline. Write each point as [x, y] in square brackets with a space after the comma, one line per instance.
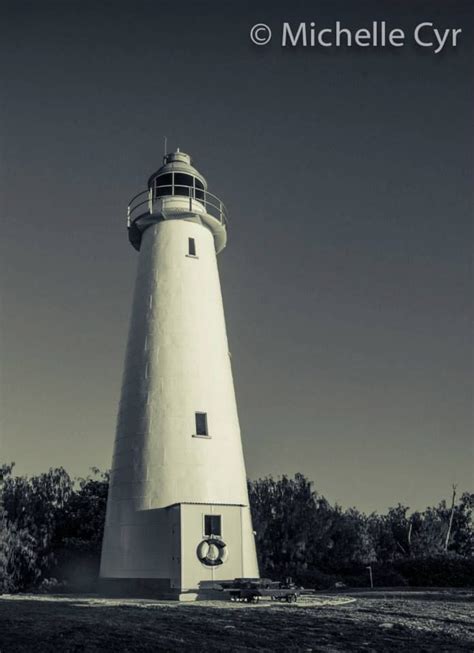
[212, 551]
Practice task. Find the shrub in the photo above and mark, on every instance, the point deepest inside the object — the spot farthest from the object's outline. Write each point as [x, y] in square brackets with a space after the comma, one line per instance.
[51, 586]
[438, 571]
[316, 579]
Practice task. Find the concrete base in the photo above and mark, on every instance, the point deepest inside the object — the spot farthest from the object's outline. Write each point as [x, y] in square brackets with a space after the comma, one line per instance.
[155, 588]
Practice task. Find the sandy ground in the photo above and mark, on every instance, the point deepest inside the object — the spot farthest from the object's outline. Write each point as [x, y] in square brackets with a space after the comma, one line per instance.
[365, 621]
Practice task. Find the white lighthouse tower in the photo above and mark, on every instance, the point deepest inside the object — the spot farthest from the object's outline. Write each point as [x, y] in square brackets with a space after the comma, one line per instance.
[178, 517]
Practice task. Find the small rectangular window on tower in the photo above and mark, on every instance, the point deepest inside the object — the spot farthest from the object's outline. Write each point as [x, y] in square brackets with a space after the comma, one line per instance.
[212, 525]
[201, 424]
[191, 247]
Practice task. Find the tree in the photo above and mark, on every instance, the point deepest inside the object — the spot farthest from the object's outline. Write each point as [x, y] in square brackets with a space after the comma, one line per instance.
[80, 522]
[439, 521]
[33, 506]
[284, 514]
[351, 542]
[4, 536]
[462, 534]
[51, 526]
[391, 533]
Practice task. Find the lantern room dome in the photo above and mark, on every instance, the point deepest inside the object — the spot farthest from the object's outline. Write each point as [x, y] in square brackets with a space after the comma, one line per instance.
[181, 163]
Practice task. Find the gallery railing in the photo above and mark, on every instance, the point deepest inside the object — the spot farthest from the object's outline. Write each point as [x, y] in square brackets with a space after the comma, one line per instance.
[212, 204]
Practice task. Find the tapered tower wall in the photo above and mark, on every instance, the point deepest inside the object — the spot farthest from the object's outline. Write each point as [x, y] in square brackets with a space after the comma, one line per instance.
[165, 478]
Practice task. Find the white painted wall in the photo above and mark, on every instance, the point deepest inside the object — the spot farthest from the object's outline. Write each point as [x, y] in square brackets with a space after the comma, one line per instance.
[177, 364]
[192, 524]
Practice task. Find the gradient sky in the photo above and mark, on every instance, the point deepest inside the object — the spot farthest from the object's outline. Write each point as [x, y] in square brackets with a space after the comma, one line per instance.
[347, 278]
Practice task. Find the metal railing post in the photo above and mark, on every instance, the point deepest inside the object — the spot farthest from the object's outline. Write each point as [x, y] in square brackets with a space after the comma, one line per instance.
[150, 201]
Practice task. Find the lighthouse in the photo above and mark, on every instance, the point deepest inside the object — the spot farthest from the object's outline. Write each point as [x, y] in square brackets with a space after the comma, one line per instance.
[178, 518]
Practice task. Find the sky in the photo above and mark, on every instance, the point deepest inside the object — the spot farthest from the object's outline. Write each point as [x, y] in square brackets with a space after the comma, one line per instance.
[347, 279]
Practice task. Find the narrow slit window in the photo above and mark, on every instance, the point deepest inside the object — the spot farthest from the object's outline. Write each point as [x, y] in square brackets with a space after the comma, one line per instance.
[191, 247]
[201, 424]
[212, 525]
